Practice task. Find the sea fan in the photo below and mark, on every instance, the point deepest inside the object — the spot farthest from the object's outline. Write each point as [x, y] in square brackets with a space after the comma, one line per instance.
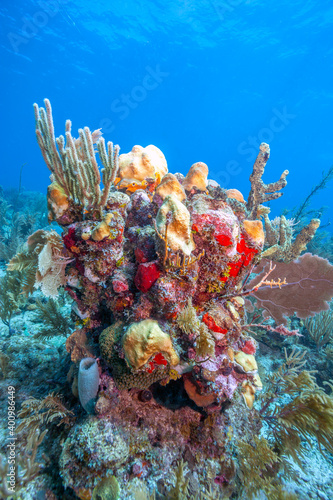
[309, 287]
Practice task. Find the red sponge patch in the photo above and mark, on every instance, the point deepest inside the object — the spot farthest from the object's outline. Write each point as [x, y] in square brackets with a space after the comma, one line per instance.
[146, 276]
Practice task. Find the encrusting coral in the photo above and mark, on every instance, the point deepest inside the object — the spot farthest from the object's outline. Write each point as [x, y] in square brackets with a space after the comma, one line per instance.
[145, 338]
[157, 266]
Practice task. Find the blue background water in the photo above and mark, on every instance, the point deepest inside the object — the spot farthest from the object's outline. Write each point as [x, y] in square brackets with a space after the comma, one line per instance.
[202, 80]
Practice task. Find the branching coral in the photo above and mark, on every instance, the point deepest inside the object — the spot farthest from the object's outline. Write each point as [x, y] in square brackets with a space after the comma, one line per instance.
[26, 467]
[38, 413]
[261, 192]
[309, 411]
[320, 328]
[180, 490]
[279, 238]
[53, 321]
[74, 167]
[10, 298]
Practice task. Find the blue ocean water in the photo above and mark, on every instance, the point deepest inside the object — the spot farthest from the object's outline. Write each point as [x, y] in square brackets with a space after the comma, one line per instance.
[203, 80]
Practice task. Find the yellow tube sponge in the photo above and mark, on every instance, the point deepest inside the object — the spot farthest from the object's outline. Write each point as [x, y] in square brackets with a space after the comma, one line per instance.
[173, 220]
[196, 177]
[170, 185]
[144, 339]
[142, 163]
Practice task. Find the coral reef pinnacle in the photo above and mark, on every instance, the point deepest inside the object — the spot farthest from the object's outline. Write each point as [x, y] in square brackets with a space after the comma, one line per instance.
[157, 266]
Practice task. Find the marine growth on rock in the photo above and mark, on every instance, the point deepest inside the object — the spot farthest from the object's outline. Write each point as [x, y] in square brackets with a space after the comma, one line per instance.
[155, 263]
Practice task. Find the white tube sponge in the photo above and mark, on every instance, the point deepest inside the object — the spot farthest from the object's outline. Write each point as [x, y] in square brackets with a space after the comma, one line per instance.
[88, 382]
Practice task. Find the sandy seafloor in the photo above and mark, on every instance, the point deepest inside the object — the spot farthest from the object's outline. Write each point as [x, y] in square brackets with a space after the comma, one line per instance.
[34, 362]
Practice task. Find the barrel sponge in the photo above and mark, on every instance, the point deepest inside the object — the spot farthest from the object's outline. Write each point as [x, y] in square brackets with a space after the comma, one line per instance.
[196, 177]
[88, 382]
[174, 219]
[144, 339]
[142, 163]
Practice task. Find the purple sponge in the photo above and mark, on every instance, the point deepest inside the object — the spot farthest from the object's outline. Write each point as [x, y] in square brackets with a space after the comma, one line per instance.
[88, 383]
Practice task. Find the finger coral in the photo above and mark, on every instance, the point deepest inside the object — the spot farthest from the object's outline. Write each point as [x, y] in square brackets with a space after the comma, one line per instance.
[261, 192]
[279, 238]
